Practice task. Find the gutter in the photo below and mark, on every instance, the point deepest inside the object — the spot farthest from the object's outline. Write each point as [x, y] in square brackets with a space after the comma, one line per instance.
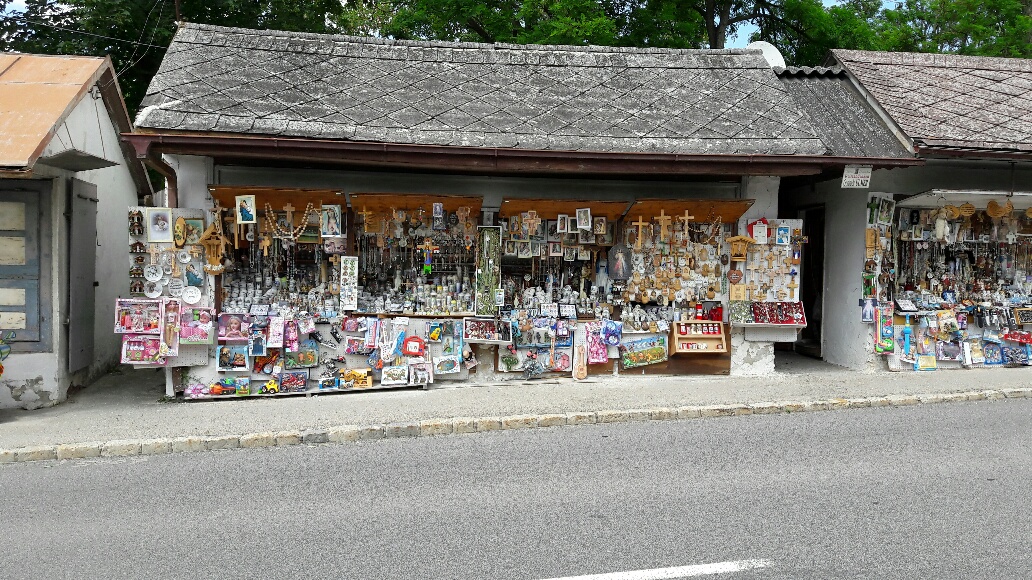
[491, 159]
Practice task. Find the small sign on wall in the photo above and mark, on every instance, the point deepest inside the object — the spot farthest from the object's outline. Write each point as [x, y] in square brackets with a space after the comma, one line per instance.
[856, 177]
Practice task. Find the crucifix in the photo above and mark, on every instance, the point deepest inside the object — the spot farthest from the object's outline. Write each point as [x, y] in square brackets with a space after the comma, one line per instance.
[792, 287]
[532, 220]
[664, 225]
[641, 223]
[154, 252]
[873, 206]
[265, 243]
[176, 272]
[770, 260]
[365, 218]
[752, 288]
[428, 248]
[289, 210]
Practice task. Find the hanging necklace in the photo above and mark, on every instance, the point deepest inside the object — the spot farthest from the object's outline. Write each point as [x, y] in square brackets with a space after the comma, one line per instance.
[287, 233]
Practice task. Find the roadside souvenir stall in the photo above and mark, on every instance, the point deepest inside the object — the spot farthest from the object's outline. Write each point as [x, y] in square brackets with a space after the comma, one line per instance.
[948, 279]
[280, 291]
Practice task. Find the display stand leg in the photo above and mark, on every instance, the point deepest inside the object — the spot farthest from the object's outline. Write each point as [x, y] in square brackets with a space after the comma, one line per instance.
[170, 388]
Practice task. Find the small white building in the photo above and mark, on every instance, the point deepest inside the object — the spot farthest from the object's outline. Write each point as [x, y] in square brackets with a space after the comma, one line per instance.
[66, 178]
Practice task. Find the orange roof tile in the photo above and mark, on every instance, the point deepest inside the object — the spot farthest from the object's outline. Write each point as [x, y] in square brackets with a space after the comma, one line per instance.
[36, 94]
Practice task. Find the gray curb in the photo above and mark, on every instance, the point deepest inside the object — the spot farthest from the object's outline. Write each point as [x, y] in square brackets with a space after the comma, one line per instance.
[462, 425]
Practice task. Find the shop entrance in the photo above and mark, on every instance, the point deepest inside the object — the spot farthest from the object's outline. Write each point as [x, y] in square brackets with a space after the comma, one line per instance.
[812, 290]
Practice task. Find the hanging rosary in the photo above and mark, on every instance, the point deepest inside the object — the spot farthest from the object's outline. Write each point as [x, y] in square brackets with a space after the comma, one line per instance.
[288, 234]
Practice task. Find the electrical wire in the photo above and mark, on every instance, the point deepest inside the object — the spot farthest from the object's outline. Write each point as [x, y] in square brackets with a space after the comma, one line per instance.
[72, 30]
[143, 31]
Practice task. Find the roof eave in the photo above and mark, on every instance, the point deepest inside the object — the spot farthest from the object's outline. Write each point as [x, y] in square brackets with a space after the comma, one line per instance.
[489, 160]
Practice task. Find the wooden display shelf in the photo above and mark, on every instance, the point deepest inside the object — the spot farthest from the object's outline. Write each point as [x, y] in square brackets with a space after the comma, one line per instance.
[687, 333]
[549, 209]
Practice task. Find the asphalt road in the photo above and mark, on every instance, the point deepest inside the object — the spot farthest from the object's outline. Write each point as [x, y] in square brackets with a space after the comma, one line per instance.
[933, 491]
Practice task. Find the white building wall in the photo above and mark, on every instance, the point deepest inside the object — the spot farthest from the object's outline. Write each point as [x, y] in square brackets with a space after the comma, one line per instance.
[34, 380]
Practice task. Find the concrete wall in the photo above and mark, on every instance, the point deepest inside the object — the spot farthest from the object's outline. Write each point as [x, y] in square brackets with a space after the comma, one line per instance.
[42, 379]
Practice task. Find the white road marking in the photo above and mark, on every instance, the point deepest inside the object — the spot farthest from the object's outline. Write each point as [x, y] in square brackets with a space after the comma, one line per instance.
[675, 573]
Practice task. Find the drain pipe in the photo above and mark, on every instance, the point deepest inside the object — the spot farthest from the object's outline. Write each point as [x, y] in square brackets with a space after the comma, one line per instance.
[166, 171]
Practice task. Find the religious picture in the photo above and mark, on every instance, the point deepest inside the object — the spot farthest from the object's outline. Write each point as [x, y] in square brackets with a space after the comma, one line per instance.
[583, 253]
[555, 249]
[438, 217]
[584, 218]
[562, 224]
[569, 253]
[335, 246]
[331, 221]
[194, 230]
[886, 207]
[609, 238]
[784, 236]
[620, 262]
[867, 311]
[585, 237]
[552, 231]
[245, 210]
[159, 225]
[510, 248]
[348, 283]
[598, 225]
[523, 250]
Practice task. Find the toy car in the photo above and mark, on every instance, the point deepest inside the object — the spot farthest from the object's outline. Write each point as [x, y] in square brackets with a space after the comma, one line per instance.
[270, 388]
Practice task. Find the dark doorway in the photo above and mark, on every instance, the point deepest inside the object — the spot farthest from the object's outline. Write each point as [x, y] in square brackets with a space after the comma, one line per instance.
[812, 291]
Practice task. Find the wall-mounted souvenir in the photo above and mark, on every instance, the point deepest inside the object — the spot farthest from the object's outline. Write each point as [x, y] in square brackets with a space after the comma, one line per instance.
[570, 254]
[196, 326]
[335, 246]
[886, 207]
[993, 353]
[620, 262]
[245, 209]
[488, 269]
[307, 356]
[331, 221]
[523, 250]
[137, 316]
[394, 375]
[233, 385]
[293, 381]
[552, 233]
[348, 283]
[447, 365]
[179, 232]
[194, 229]
[420, 373]
[136, 227]
[598, 225]
[171, 309]
[142, 349]
[783, 236]
[291, 336]
[256, 344]
[584, 218]
[266, 364]
[486, 331]
[233, 357]
[234, 327]
[644, 351]
[562, 224]
[159, 225]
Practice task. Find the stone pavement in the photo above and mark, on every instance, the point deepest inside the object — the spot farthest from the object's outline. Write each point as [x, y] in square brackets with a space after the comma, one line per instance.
[122, 414]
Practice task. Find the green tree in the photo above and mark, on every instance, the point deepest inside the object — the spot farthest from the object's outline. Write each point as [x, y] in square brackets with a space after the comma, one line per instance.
[983, 27]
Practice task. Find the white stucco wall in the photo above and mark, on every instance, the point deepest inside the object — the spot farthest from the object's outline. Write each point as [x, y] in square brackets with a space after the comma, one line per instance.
[40, 379]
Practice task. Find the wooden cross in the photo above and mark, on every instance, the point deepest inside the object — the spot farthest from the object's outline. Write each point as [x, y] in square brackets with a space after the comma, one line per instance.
[781, 294]
[289, 210]
[686, 218]
[196, 251]
[265, 243]
[752, 288]
[365, 218]
[641, 223]
[792, 287]
[770, 260]
[154, 252]
[664, 225]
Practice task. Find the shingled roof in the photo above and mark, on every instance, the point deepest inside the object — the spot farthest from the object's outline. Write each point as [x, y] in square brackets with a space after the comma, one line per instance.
[561, 98]
[846, 123]
[943, 100]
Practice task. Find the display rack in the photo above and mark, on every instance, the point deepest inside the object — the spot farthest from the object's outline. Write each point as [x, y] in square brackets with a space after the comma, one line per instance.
[698, 337]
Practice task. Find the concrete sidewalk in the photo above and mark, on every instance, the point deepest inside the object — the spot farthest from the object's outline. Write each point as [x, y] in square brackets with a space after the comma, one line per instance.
[126, 405]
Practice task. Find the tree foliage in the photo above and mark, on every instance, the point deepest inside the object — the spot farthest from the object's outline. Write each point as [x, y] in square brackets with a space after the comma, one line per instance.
[135, 32]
